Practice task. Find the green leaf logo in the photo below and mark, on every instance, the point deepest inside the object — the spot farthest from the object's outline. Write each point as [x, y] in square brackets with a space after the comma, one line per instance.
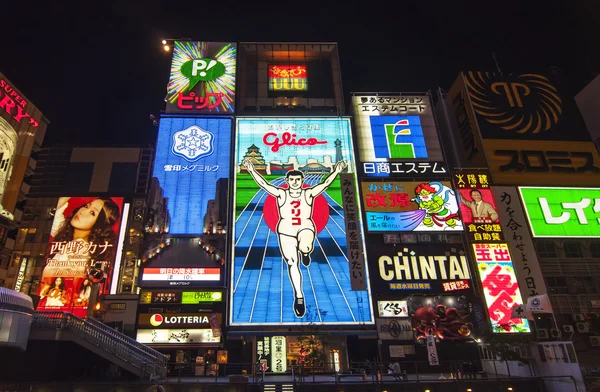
[202, 70]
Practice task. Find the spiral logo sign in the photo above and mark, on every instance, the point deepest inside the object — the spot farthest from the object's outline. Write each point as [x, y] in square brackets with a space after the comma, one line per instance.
[519, 104]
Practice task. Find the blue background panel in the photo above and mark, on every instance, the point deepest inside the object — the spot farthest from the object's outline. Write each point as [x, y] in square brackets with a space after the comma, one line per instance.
[189, 189]
[380, 142]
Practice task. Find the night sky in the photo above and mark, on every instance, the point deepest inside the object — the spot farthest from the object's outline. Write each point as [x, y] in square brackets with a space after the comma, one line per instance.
[98, 72]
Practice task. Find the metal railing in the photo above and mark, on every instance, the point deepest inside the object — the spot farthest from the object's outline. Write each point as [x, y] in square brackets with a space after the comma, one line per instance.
[149, 362]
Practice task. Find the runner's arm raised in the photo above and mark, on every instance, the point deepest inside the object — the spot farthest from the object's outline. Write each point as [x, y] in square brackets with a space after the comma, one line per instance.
[260, 181]
[318, 189]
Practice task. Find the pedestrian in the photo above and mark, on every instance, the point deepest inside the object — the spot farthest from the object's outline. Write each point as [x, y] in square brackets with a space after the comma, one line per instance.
[396, 371]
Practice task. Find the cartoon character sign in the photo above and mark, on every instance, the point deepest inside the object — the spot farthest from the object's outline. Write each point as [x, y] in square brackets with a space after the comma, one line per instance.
[291, 247]
[408, 206]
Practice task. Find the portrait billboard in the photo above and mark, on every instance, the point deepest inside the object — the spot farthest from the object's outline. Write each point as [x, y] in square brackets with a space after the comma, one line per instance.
[477, 206]
[410, 206]
[190, 168]
[398, 271]
[81, 251]
[562, 212]
[394, 130]
[291, 247]
[500, 287]
[202, 78]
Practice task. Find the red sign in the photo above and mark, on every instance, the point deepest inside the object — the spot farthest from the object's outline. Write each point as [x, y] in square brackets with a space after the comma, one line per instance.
[289, 139]
[14, 104]
[287, 71]
[173, 274]
[456, 285]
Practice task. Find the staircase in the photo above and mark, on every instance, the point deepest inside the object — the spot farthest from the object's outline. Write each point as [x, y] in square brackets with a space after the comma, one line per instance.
[96, 337]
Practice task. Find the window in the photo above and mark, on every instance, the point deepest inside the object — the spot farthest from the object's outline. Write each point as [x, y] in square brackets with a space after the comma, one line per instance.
[30, 237]
[595, 249]
[583, 285]
[547, 250]
[557, 285]
[572, 250]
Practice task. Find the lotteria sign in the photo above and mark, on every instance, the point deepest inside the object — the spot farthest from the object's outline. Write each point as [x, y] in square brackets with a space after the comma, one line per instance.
[562, 212]
[180, 320]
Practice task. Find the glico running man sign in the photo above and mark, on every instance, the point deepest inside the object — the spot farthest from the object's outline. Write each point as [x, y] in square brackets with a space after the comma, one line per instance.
[291, 252]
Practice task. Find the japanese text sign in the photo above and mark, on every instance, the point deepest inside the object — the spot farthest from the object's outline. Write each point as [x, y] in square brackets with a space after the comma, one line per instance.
[73, 261]
[176, 336]
[477, 206]
[562, 212]
[189, 166]
[424, 169]
[288, 78]
[500, 287]
[410, 206]
[524, 257]
[398, 271]
[295, 213]
[396, 127]
[202, 78]
[392, 308]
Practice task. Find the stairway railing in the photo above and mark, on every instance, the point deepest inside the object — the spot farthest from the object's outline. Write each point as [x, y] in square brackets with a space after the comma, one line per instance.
[149, 362]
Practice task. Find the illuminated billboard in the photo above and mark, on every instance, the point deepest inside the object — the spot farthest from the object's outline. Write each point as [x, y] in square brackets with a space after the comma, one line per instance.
[562, 212]
[81, 251]
[397, 136]
[399, 271]
[410, 206]
[189, 164]
[527, 130]
[295, 244]
[288, 78]
[179, 320]
[478, 206]
[500, 287]
[202, 78]
[443, 317]
[179, 297]
[176, 336]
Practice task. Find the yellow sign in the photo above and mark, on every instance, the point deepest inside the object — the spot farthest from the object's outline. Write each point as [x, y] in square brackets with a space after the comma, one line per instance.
[221, 357]
[543, 162]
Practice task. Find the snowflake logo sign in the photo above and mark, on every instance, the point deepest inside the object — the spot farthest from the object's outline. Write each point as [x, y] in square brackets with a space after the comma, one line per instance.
[193, 143]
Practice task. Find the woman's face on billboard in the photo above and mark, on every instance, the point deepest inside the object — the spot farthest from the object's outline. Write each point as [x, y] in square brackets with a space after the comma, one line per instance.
[87, 215]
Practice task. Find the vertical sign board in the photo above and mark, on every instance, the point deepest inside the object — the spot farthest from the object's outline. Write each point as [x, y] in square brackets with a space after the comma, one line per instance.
[500, 287]
[562, 212]
[188, 164]
[202, 78]
[524, 257]
[279, 355]
[354, 249]
[397, 136]
[528, 129]
[290, 247]
[81, 250]
[478, 206]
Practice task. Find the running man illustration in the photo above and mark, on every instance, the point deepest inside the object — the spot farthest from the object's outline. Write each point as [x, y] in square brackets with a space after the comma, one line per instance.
[296, 229]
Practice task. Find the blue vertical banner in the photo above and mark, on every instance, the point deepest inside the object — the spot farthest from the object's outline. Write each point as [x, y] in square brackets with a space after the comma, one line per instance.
[192, 155]
[293, 241]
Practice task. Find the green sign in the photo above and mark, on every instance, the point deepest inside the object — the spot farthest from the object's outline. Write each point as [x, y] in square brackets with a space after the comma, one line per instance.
[194, 297]
[202, 70]
[562, 212]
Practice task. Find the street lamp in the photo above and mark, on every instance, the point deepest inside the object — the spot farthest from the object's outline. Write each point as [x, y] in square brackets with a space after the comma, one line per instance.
[166, 42]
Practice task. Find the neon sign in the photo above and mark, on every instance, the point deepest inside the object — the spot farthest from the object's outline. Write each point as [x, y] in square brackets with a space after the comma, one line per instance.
[287, 77]
[12, 100]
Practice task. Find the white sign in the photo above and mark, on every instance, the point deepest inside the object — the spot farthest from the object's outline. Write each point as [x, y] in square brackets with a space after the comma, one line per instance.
[432, 354]
[392, 308]
[516, 233]
[539, 303]
[397, 352]
[176, 336]
[394, 329]
[175, 274]
[21, 274]
[278, 354]
[595, 304]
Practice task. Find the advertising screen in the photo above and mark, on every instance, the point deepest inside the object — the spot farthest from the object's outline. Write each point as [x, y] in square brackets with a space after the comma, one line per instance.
[81, 251]
[478, 206]
[202, 78]
[189, 166]
[179, 297]
[399, 271]
[288, 78]
[500, 287]
[291, 247]
[397, 129]
[410, 206]
[562, 212]
[443, 317]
